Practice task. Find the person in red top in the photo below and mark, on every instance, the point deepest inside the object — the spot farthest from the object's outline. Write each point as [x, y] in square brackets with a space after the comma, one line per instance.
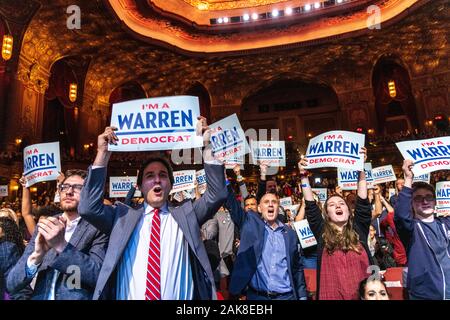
[343, 254]
[388, 228]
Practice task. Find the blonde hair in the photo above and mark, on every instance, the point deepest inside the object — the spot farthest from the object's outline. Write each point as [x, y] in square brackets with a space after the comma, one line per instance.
[9, 213]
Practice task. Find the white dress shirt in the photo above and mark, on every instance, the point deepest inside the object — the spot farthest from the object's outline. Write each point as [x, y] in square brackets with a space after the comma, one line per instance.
[176, 274]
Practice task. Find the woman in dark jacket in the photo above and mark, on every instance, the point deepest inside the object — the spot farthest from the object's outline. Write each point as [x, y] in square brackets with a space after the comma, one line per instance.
[342, 251]
[11, 248]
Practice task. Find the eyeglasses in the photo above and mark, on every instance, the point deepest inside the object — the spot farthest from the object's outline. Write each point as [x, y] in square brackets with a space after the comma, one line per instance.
[75, 187]
[420, 199]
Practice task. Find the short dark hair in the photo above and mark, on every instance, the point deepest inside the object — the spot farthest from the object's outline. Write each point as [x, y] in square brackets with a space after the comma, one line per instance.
[250, 197]
[423, 185]
[162, 160]
[75, 172]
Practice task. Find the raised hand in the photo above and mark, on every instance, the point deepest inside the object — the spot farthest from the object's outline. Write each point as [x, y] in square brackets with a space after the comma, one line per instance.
[237, 169]
[53, 230]
[364, 151]
[103, 140]
[302, 164]
[203, 129]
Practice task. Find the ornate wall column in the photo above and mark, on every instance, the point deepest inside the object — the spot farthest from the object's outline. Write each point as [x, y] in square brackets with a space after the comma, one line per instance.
[25, 107]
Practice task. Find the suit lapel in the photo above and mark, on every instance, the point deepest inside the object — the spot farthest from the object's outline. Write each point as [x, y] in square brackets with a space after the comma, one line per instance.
[125, 228]
[181, 218]
[79, 232]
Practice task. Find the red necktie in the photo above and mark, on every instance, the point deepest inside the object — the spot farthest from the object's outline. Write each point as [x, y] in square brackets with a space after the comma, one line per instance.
[153, 286]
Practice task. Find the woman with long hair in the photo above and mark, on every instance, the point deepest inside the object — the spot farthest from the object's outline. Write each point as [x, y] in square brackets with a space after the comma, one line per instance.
[342, 251]
[11, 248]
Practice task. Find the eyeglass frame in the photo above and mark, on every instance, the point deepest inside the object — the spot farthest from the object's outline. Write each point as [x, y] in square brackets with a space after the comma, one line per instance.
[67, 186]
[428, 198]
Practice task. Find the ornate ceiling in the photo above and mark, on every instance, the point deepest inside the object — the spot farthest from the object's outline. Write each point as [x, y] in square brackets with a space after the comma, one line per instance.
[116, 57]
[229, 4]
[184, 27]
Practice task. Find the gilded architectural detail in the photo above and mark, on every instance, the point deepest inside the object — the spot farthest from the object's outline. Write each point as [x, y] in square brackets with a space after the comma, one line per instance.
[214, 5]
[33, 76]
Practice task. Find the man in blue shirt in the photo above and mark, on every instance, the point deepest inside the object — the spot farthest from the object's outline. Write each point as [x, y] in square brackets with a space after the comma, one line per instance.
[268, 264]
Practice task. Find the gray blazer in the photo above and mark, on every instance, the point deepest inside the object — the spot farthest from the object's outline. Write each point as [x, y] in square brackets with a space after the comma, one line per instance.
[86, 250]
[119, 221]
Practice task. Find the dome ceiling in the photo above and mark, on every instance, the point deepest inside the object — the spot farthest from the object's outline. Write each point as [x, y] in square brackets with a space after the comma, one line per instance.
[191, 25]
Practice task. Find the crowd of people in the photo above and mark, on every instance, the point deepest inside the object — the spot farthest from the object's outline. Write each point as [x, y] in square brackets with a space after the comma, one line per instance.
[234, 241]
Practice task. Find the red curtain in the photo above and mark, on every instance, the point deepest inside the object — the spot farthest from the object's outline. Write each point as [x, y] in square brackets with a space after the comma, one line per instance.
[404, 96]
[61, 77]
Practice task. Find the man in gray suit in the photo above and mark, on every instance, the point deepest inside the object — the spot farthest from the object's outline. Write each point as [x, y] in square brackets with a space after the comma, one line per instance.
[66, 252]
[171, 265]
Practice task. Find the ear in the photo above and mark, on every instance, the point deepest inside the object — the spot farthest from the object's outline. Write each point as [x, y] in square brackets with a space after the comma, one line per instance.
[259, 209]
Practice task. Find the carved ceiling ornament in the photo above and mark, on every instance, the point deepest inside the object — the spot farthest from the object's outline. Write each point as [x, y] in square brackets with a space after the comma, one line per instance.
[157, 28]
[18, 14]
[213, 5]
[121, 58]
[32, 75]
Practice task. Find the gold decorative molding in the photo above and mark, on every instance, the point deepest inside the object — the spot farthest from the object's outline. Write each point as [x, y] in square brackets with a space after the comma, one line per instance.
[32, 75]
[159, 29]
[213, 5]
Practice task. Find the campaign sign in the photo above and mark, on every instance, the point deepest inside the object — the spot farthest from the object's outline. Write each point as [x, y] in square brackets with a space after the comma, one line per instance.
[4, 191]
[339, 149]
[423, 178]
[230, 163]
[228, 139]
[200, 175]
[119, 187]
[293, 208]
[287, 201]
[348, 179]
[391, 192]
[428, 155]
[183, 180]
[41, 162]
[321, 194]
[273, 153]
[164, 123]
[383, 174]
[304, 234]
[443, 198]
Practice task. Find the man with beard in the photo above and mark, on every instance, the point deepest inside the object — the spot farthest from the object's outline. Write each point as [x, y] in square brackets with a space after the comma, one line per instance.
[155, 251]
[425, 237]
[66, 252]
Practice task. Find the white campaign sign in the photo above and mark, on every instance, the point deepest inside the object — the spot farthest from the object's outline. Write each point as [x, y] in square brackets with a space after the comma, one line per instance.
[348, 179]
[287, 201]
[164, 123]
[443, 198]
[383, 174]
[3, 190]
[321, 193]
[41, 162]
[119, 187]
[200, 175]
[184, 180]
[273, 153]
[428, 155]
[228, 139]
[391, 192]
[339, 149]
[294, 209]
[423, 178]
[304, 234]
